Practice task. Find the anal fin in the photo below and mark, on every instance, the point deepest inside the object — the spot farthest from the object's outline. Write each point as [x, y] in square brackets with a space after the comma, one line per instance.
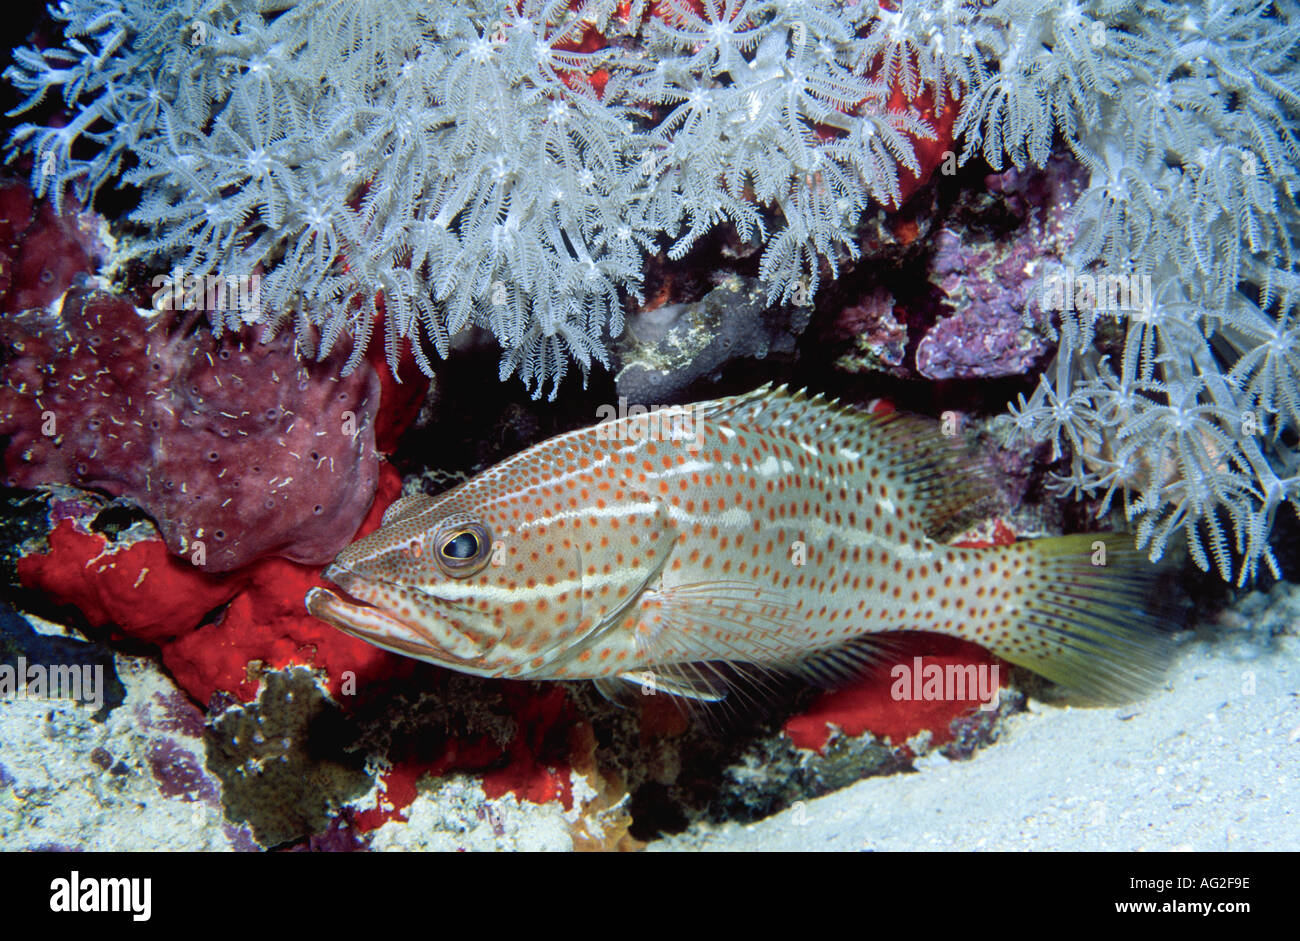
[835, 666]
[684, 680]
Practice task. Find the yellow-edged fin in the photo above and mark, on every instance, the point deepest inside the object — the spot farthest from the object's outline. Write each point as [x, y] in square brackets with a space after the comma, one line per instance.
[1096, 629]
[705, 621]
[718, 694]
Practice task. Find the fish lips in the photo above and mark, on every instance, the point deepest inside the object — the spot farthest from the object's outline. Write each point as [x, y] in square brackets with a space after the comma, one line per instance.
[427, 627]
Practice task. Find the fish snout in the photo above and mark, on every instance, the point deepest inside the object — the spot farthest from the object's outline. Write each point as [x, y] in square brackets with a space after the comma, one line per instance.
[340, 575]
[405, 619]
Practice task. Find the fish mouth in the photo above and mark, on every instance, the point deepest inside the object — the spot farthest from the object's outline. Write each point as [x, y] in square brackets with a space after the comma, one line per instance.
[356, 608]
[364, 621]
[341, 577]
[349, 581]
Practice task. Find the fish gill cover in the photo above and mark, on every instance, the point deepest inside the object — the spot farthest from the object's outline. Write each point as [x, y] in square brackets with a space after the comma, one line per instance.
[513, 165]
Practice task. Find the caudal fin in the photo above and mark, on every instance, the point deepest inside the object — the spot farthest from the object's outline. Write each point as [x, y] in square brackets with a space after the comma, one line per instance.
[1090, 613]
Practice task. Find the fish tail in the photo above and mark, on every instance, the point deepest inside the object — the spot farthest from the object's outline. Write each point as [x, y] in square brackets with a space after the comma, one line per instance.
[1085, 611]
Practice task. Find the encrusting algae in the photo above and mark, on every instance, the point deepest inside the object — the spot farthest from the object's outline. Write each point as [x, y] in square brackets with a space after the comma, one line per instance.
[767, 531]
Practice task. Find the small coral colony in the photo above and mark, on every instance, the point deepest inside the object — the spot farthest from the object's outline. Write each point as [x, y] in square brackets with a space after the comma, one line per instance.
[245, 240]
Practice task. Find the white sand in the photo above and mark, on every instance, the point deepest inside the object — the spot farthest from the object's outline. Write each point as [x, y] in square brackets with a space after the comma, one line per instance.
[1210, 763]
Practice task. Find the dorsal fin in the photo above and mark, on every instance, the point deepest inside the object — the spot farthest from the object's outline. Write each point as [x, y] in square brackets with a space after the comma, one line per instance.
[772, 404]
[932, 468]
[936, 470]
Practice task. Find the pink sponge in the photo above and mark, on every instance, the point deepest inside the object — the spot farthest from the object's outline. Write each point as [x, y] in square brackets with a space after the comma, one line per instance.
[40, 253]
[235, 448]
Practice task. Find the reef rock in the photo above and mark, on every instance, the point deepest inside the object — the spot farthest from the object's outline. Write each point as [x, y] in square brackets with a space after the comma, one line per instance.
[127, 775]
[664, 350]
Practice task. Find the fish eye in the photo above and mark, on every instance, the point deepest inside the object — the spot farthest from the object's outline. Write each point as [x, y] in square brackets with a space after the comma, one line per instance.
[461, 546]
[463, 549]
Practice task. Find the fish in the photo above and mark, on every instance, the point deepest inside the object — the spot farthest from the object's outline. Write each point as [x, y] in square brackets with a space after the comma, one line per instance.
[767, 533]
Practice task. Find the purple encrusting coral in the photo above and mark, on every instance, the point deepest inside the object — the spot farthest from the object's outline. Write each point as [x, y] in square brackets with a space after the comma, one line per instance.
[236, 448]
[988, 335]
[179, 772]
[881, 339]
[998, 327]
[979, 314]
[172, 713]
